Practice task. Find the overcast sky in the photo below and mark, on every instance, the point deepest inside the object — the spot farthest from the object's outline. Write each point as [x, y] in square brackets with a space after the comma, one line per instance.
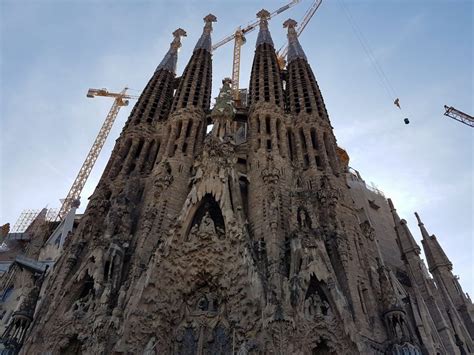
[52, 51]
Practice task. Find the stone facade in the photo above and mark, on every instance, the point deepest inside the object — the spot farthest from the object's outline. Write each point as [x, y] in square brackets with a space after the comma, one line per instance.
[244, 240]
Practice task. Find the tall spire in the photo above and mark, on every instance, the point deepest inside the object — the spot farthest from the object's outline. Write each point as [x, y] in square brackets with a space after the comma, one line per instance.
[265, 81]
[155, 100]
[294, 47]
[303, 90]
[435, 255]
[407, 242]
[194, 88]
[205, 41]
[171, 57]
[264, 34]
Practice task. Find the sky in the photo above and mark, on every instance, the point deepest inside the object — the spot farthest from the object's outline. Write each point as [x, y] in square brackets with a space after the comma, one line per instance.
[52, 51]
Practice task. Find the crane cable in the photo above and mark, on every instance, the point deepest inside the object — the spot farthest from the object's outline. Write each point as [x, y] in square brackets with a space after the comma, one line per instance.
[368, 51]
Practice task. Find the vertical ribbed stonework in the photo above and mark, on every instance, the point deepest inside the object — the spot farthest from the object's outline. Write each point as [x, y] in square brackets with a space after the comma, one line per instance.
[191, 103]
[269, 168]
[265, 80]
[195, 87]
[155, 101]
[245, 240]
[182, 137]
[315, 143]
[97, 261]
[138, 145]
[303, 89]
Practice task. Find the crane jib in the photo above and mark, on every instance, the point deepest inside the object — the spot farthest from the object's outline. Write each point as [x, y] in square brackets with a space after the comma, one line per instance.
[281, 9]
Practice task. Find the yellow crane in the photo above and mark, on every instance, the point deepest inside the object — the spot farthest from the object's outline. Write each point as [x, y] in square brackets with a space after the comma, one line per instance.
[120, 100]
[239, 37]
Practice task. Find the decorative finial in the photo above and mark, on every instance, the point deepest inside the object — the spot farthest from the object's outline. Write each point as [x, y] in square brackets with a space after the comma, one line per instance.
[177, 38]
[171, 57]
[423, 230]
[227, 81]
[290, 24]
[205, 40]
[263, 15]
[264, 33]
[294, 47]
[208, 20]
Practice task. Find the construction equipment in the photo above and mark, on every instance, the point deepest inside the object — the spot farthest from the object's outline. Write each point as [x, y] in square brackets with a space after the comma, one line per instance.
[239, 37]
[283, 51]
[459, 116]
[121, 99]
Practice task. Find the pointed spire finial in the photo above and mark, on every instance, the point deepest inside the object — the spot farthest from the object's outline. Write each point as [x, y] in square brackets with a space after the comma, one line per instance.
[395, 215]
[294, 47]
[435, 255]
[290, 24]
[205, 40]
[264, 34]
[177, 37]
[263, 15]
[171, 57]
[418, 218]
[407, 242]
[423, 230]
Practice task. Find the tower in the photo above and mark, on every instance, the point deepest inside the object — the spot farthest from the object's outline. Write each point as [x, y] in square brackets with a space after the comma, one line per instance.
[241, 240]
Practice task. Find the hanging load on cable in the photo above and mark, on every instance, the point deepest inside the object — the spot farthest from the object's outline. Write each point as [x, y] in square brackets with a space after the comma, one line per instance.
[373, 60]
[397, 103]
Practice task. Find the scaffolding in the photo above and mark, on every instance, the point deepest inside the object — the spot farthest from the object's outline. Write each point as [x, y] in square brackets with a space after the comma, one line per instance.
[28, 216]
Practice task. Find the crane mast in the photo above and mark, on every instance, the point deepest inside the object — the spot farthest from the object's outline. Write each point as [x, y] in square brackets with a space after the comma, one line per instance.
[121, 99]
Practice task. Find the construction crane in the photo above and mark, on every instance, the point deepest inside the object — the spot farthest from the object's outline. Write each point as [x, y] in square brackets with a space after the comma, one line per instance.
[239, 37]
[459, 116]
[283, 51]
[121, 99]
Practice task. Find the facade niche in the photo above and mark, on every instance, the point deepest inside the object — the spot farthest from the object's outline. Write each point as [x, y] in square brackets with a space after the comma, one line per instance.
[316, 301]
[322, 349]
[304, 221]
[209, 217]
[84, 294]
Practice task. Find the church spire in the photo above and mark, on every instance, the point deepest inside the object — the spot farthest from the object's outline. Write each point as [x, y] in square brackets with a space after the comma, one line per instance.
[155, 101]
[171, 57]
[406, 241]
[435, 255]
[205, 41]
[294, 47]
[303, 90]
[264, 34]
[194, 88]
[265, 81]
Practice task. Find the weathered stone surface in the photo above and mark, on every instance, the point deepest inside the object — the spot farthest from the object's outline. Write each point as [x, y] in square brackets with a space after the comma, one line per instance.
[244, 240]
